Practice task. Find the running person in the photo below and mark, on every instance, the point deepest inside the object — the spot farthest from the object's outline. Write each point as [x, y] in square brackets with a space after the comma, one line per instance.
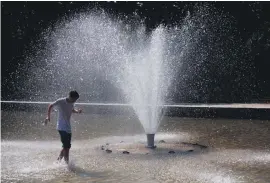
[65, 108]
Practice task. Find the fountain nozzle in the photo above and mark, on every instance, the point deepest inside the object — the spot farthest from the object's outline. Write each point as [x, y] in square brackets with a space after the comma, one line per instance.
[150, 141]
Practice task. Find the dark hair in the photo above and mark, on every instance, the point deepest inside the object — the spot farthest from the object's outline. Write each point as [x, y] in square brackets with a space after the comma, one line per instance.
[74, 94]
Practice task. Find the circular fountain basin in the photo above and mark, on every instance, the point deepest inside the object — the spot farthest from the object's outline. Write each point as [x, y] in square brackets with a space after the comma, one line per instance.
[179, 148]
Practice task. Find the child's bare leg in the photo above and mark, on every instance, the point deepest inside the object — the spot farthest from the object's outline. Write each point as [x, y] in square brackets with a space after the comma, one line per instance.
[61, 155]
[66, 155]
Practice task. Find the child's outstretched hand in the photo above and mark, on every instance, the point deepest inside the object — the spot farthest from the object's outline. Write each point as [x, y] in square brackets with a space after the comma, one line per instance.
[46, 121]
[79, 111]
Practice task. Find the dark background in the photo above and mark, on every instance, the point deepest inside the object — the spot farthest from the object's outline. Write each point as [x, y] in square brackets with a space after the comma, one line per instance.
[22, 23]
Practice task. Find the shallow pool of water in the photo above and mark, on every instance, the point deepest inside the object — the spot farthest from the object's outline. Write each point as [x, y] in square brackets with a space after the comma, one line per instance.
[237, 150]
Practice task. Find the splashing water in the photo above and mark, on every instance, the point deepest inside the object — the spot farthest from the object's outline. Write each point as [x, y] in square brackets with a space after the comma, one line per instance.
[118, 60]
[135, 65]
[130, 60]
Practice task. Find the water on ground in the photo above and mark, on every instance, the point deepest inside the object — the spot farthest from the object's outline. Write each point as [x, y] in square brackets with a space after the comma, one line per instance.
[237, 150]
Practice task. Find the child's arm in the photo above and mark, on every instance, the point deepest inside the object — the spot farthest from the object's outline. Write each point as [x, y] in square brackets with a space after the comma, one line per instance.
[49, 112]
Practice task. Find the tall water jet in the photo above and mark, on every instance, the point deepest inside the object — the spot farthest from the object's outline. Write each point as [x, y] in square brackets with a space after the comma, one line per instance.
[147, 79]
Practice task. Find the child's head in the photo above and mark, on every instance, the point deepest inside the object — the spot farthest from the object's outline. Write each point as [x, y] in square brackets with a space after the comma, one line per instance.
[73, 96]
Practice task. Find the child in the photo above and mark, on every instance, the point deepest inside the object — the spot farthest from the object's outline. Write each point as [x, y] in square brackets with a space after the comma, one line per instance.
[65, 109]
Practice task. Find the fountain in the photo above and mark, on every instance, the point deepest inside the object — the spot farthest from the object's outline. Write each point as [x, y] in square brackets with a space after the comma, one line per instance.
[135, 63]
[90, 48]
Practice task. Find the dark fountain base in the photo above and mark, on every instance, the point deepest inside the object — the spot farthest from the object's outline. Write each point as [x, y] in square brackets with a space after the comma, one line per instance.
[151, 141]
